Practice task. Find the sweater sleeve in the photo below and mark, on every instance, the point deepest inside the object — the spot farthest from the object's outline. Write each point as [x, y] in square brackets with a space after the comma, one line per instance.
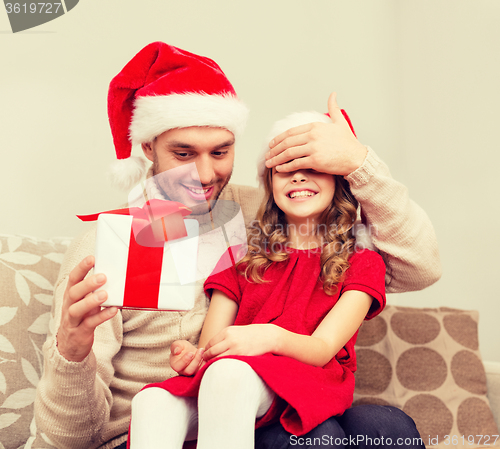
[73, 399]
[399, 228]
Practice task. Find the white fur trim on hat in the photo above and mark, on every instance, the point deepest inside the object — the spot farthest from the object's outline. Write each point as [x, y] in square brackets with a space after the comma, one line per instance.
[156, 114]
[292, 121]
[126, 173]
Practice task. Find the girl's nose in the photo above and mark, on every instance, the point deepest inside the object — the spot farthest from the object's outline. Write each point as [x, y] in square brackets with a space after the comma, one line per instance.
[299, 176]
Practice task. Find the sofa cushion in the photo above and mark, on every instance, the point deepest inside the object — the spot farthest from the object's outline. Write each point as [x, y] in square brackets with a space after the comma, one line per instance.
[430, 365]
[28, 272]
[427, 362]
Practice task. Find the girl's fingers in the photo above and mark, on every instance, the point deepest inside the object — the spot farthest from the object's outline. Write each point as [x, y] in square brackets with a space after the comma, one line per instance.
[215, 350]
[176, 347]
[192, 368]
[180, 361]
[187, 364]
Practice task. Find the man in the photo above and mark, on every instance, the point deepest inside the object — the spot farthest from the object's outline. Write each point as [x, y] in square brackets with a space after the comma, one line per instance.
[184, 112]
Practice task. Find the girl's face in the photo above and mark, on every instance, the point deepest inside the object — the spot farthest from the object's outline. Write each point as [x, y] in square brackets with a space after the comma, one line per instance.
[303, 195]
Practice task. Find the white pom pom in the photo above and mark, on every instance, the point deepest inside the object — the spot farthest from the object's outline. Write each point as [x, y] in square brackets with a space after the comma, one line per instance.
[363, 237]
[126, 173]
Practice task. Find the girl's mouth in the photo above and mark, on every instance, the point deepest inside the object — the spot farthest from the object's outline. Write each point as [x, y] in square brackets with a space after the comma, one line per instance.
[301, 194]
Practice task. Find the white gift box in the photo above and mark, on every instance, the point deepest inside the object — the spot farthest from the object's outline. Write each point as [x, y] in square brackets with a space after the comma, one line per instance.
[177, 289]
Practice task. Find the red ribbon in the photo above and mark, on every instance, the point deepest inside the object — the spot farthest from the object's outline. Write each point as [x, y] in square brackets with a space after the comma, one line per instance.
[145, 256]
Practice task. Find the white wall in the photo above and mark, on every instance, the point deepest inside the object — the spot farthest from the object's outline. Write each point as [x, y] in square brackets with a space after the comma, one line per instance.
[418, 78]
[449, 104]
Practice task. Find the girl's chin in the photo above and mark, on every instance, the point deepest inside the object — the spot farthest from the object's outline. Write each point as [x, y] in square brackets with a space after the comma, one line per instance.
[308, 220]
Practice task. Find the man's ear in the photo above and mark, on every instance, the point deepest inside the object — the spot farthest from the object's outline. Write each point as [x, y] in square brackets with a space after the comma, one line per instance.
[148, 150]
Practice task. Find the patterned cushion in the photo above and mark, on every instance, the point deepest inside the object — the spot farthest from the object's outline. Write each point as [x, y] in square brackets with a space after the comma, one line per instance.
[28, 271]
[427, 362]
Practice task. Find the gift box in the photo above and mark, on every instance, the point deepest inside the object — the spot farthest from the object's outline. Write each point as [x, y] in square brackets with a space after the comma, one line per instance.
[149, 256]
[221, 222]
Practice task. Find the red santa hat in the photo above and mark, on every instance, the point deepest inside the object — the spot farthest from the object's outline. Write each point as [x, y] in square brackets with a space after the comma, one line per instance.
[292, 121]
[162, 88]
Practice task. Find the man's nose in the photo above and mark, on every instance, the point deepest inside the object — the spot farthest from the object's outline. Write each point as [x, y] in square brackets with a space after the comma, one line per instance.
[205, 171]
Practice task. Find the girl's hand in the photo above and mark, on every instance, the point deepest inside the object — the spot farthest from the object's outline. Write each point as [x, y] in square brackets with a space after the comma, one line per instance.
[253, 339]
[325, 147]
[185, 359]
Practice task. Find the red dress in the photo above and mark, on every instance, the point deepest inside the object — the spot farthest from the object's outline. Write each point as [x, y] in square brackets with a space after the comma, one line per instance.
[294, 299]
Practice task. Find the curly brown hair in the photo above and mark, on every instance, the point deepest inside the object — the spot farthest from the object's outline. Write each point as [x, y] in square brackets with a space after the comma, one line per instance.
[267, 238]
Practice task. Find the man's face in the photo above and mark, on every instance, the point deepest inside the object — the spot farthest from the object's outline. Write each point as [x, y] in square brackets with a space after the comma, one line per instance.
[203, 161]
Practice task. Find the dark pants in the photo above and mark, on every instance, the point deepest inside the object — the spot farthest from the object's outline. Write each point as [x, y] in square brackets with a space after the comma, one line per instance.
[364, 426]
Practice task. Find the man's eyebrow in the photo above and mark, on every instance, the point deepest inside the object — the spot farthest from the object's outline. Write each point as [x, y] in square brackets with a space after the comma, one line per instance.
[227, 143]
[179, 144]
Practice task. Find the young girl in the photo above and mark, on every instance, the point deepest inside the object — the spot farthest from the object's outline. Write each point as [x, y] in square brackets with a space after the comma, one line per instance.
[278, 339]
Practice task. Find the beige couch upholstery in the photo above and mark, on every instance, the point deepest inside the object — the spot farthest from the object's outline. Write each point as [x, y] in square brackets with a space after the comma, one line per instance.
[425, 361]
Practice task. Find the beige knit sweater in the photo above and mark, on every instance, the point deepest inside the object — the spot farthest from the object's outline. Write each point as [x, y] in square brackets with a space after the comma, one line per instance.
[87, 404]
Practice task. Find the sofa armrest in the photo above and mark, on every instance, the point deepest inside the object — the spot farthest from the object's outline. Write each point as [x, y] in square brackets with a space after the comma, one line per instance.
[493, 379]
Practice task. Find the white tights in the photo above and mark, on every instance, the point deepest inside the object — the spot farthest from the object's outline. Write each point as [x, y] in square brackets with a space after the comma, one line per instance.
[231, 397]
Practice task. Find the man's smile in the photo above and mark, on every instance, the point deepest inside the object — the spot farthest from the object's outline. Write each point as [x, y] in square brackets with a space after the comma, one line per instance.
[199, 194]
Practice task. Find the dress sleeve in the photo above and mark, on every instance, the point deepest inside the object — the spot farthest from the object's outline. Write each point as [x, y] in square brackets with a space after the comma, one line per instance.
[367, 274]
[225, 277]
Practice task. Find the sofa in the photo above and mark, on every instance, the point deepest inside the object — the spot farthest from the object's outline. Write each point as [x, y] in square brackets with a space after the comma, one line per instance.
[425, 361]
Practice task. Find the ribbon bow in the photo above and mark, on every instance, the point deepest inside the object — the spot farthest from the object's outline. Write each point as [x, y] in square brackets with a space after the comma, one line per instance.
[153, 224]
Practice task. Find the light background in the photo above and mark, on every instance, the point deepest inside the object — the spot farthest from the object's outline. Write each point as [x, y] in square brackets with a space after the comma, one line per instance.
[420, 80]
